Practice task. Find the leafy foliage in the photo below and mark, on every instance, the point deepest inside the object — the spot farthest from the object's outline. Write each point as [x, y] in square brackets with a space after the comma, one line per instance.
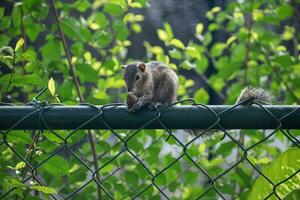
[259, 47]
[284, 166]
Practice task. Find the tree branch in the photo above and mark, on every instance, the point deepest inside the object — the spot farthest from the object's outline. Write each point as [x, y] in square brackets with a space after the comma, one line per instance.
[81, 98]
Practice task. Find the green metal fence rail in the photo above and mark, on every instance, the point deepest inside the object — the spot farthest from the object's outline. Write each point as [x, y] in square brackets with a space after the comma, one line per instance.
[175, 117]
[40, 116]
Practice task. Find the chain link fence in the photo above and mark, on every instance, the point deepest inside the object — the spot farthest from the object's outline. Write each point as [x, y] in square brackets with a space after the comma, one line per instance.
[157, 159]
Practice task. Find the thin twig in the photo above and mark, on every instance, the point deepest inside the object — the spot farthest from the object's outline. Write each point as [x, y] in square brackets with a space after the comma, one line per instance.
[23, 30]
[11, 72]
[81, 98]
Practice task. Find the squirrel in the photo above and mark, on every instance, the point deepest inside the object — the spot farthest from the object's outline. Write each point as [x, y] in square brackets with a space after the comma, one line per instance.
[154, 83]
[149, 84]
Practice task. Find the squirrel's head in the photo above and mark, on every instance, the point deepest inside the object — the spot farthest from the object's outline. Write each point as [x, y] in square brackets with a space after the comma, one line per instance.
[135, 75]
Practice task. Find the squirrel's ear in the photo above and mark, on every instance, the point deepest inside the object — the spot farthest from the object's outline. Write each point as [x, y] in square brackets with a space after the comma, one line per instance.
[124, 66]
[142, 67]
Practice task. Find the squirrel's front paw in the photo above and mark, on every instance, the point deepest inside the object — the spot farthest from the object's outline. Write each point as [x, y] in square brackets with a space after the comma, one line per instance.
[133, 108]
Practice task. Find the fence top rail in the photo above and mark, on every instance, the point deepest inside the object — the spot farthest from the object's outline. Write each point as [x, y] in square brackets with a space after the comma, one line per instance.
[57, 117]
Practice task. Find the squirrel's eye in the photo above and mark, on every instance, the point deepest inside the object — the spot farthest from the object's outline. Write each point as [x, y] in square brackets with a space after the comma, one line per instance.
[137, 77]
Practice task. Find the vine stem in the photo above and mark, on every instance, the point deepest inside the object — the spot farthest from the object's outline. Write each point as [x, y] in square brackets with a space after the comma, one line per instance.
[77, 86]
[11, 73]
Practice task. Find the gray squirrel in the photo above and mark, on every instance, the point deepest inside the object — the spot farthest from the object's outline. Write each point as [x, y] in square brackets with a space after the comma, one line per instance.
[149, 84]
[154, 83]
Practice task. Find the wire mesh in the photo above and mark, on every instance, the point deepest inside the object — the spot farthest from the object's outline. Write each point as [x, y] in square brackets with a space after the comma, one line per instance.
[122, 153]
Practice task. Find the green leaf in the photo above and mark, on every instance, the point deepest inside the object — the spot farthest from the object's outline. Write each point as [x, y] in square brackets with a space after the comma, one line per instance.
[239, 52]
[20, 165]
[104, 39]
[215, 9]
[121, 30]
[135, 145]
[202, 148]
[6, 50]
[135, 5]
[1, 12]
[218, 49]
[4, 39]
[201, 65]
[161, 179]
[19, 44]
[293, 195]
[199, 28]
[284, 11]
[177, 43]
[225, 148]
[21, 80]
[16, 16]
[230, 40]
[10, 183]
[207, 38]
[193, 52]
[169, 30]
[77, 49]
[114, 9]
[52, 137]
[86, 73]
[284, 60]
[132, 178]
[213, 26]
[65, 90]
[20, 137]
[284, 166]
[71, 28]
[51, 50]
[176, 54]
[227, 68]
[201, 96]
[162, 35]
[101, 19]
[33, 30]
[83, 5]
[56, 166]
[102, 147]
[44, 189]
[51, 86]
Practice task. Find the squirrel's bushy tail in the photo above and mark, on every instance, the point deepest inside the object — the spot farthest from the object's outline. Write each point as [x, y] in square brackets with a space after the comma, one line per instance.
[254, 94]
[248, 96]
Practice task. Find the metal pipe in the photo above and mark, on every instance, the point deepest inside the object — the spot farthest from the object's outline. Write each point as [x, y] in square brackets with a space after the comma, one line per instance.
[175, 117]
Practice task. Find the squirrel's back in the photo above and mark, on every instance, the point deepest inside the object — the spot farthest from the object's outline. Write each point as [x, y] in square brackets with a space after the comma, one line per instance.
[160, 71]
[165, 82]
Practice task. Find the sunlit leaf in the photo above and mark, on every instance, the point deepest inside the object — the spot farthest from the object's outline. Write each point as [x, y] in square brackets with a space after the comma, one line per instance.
[284, 166]
[20, 165]
[177, 43]
[44, 189]
[19, 44]
[199, 28]
[218, 49]
[51, 86]
[201, 96]
[162, 35]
